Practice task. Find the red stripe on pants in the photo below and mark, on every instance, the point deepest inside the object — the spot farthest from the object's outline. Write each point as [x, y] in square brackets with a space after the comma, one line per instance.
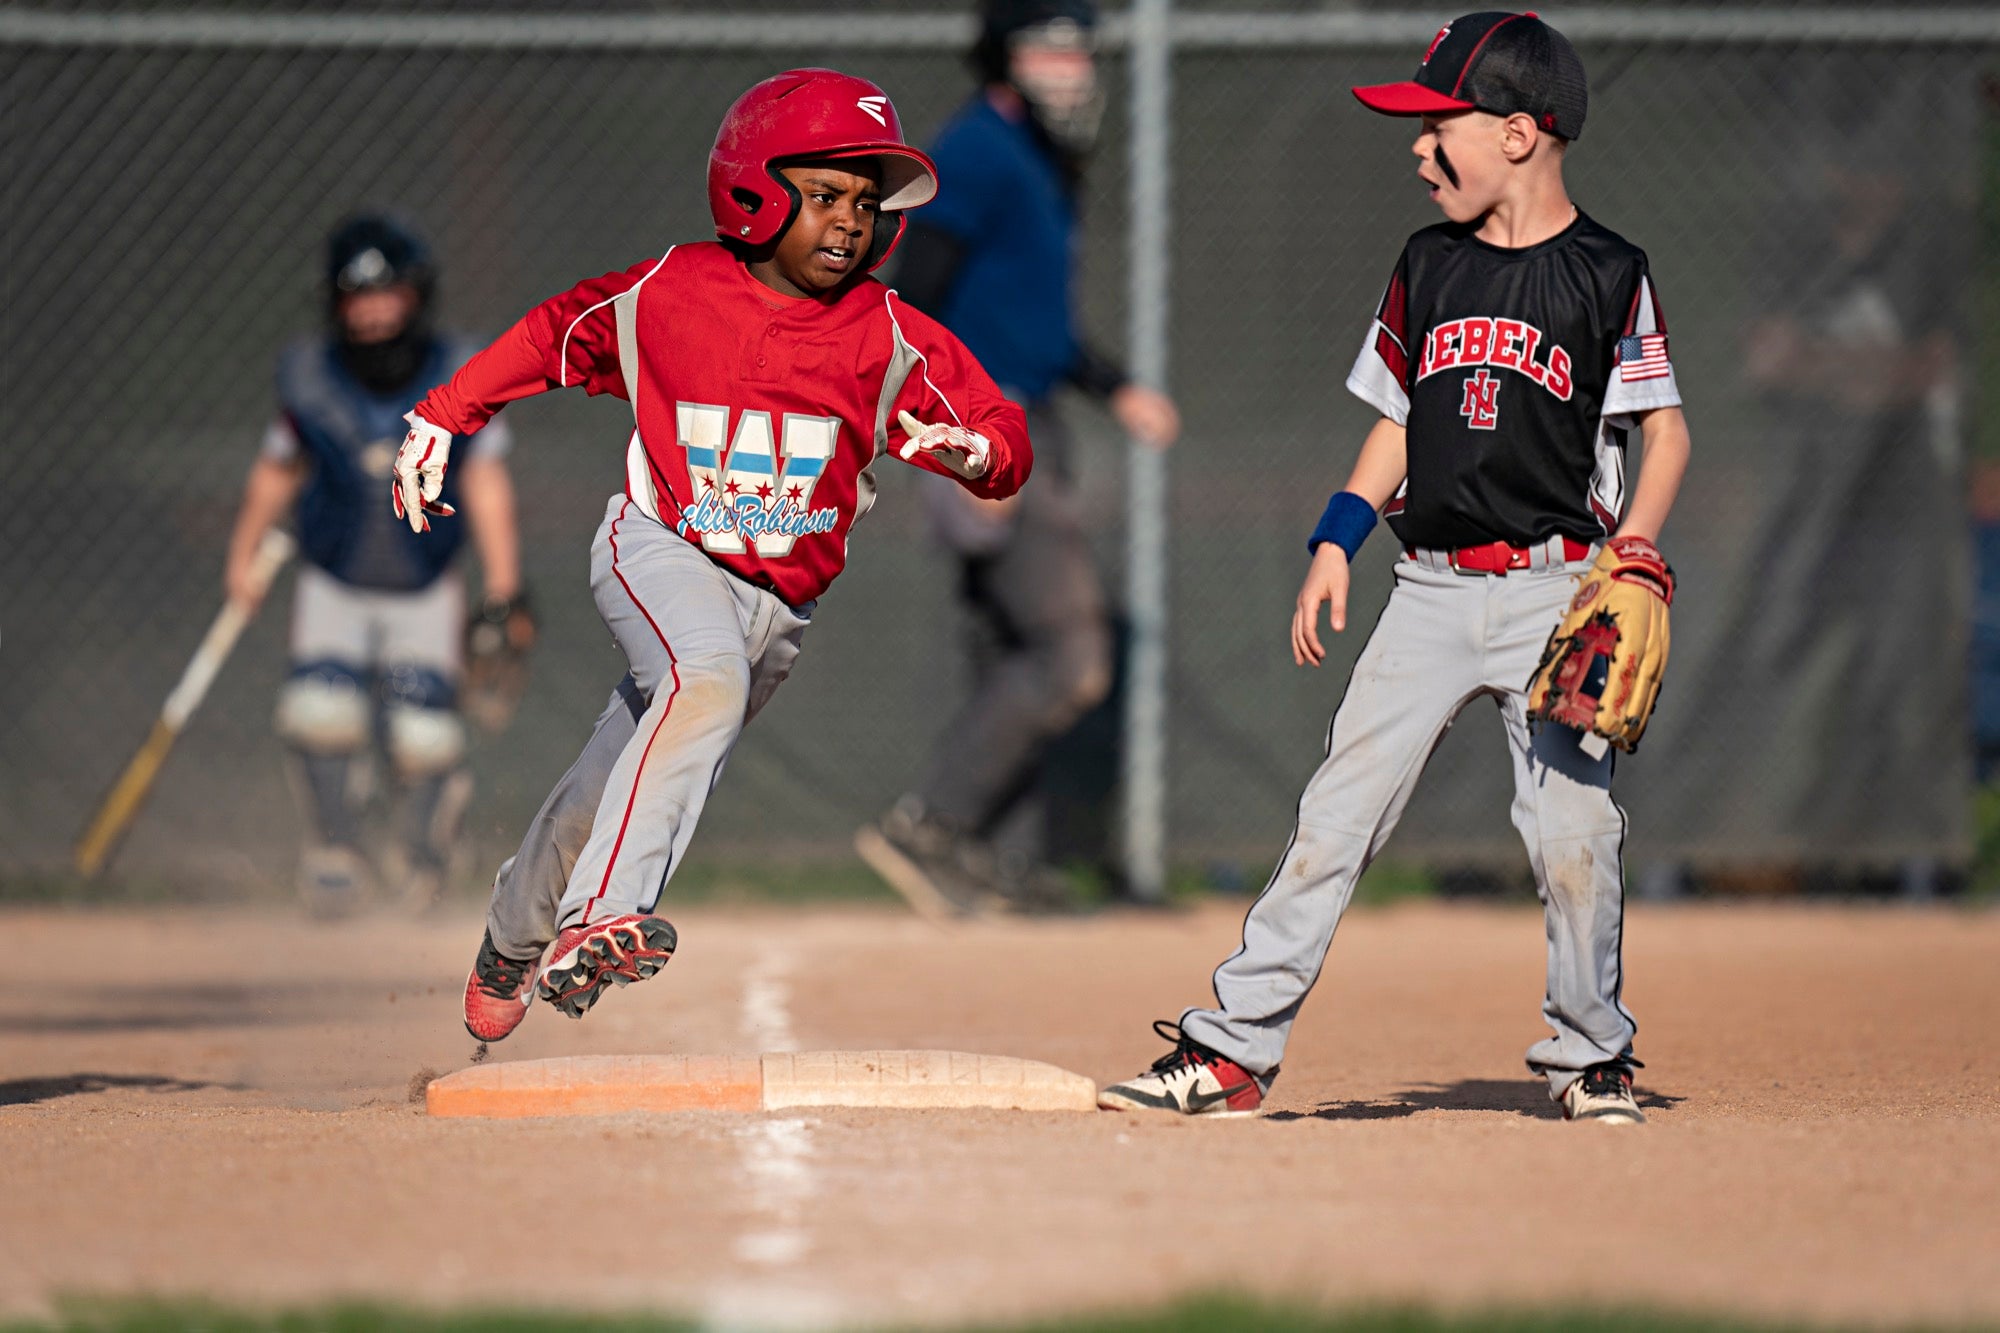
[674, 668]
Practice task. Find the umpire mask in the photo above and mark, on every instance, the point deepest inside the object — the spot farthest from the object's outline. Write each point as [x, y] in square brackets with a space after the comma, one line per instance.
[1054, 68]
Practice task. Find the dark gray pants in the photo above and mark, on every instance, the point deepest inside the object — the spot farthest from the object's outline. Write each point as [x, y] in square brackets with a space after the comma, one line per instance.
[1040, 642]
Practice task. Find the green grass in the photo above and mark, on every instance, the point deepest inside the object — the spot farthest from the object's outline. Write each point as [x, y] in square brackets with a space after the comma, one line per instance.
[66, 889]
[1215, 1313]
[190, 1317]
[1201, 1314]
[1983, 884]
[1385, 882]
[705, 882]
[829, 880]
[1394, 882]
[841, 879]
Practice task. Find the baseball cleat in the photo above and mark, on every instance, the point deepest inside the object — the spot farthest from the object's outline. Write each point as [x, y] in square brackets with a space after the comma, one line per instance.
[1190, 1079]
[917, 855]
[617, 952]
[497, 992]
[1604, 1092]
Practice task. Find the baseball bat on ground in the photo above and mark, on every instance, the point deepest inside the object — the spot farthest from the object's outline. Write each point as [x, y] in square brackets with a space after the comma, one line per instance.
[127, 794]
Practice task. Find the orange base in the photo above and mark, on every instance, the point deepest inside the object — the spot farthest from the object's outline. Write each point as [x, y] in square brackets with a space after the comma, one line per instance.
[610, 1084]
[600, 1085]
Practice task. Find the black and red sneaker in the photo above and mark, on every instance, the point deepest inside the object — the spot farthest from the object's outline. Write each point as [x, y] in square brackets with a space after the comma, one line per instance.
[1603, 1092]
[1190, 1079]
[616, 952]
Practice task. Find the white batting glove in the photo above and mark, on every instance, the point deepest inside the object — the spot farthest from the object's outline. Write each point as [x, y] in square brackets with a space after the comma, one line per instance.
[959, 448]
[420, 465]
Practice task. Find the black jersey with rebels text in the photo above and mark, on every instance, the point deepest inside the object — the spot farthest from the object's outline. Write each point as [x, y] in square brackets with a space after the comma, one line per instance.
[1516, 374]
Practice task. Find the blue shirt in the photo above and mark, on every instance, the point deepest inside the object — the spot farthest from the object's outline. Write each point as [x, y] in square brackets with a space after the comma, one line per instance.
[1005, 200]
[349, 434]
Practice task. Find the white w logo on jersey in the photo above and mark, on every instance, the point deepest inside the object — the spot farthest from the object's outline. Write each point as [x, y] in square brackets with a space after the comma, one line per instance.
[741, 496]
[875, 106]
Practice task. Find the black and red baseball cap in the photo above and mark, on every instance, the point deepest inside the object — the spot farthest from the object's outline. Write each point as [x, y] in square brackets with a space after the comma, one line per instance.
[1494, 61]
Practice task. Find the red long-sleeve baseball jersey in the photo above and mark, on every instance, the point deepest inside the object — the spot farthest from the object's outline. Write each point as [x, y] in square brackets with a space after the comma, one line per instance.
[759, 416]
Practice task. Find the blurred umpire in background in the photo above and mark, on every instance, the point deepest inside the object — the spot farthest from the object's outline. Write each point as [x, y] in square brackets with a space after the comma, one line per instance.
[993, 258]
[379, 614]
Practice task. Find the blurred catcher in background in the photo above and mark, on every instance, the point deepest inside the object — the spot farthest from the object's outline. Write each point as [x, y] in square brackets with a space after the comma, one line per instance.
[379, 633]
[994, 260]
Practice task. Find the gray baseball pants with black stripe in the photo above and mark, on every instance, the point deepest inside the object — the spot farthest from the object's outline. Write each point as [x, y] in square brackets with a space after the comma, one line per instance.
[707, 651]
[1444, 640]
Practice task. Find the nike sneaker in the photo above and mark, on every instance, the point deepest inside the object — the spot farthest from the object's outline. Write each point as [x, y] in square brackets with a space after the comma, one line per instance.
[1604, 1092]
[1190, 1079]
[497, 992]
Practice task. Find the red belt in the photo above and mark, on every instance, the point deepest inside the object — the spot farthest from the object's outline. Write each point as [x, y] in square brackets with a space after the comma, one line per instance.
[1499, 557]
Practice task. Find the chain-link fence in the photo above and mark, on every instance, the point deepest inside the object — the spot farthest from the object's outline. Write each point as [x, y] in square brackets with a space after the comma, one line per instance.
[1807, 185]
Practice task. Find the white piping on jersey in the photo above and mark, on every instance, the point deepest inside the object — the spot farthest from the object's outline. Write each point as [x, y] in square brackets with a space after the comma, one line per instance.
[1392, 337]
[1645, 319]
[1617, 418]
[903, 355]
[639, 478]
[562, 357]
[1375, 384]
[922, 360]
[1605, 493]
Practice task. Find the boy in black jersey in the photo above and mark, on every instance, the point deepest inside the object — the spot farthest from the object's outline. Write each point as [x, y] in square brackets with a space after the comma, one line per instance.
[1518, 344]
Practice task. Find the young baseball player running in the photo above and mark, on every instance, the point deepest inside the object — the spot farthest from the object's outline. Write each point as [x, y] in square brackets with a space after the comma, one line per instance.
[767, 372]
[1518, 344]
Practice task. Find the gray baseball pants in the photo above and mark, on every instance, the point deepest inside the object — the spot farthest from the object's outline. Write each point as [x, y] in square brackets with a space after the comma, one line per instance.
[707, 651]
[1444, 640]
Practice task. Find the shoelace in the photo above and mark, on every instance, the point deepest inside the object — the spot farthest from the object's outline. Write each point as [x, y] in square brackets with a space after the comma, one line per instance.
[500, 976]
[1611, 1079]
[1186, 1051]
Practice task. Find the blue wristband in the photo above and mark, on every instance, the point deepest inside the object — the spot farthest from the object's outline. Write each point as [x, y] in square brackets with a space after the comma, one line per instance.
[1346, 523]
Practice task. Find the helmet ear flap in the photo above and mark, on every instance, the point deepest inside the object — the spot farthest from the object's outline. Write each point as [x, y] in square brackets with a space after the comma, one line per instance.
[793, 202]
[759, 225]
[888, 225]
[888, 230]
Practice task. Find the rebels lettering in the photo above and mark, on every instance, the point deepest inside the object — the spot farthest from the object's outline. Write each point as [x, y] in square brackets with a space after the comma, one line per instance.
[1476, 342]
[1510, 344]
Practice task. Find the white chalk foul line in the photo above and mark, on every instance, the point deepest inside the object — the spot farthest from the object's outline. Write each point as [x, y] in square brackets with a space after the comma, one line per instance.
[767, 1003]
[778, 1169]
[777, 1155]
[779, 1180]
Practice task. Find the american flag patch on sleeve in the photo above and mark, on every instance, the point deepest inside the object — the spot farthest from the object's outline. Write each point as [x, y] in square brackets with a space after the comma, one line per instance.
[1643, 357]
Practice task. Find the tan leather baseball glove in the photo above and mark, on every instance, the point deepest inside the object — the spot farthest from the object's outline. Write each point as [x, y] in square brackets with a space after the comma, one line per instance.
[1601, 670]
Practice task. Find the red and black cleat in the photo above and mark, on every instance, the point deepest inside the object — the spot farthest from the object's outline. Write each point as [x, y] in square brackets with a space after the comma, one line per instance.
[614, 952]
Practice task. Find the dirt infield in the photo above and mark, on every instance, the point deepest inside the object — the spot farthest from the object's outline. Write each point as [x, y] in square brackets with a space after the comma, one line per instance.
[219, 1103]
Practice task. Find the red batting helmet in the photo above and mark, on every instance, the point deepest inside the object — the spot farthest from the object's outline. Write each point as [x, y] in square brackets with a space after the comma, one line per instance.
[806, 114]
